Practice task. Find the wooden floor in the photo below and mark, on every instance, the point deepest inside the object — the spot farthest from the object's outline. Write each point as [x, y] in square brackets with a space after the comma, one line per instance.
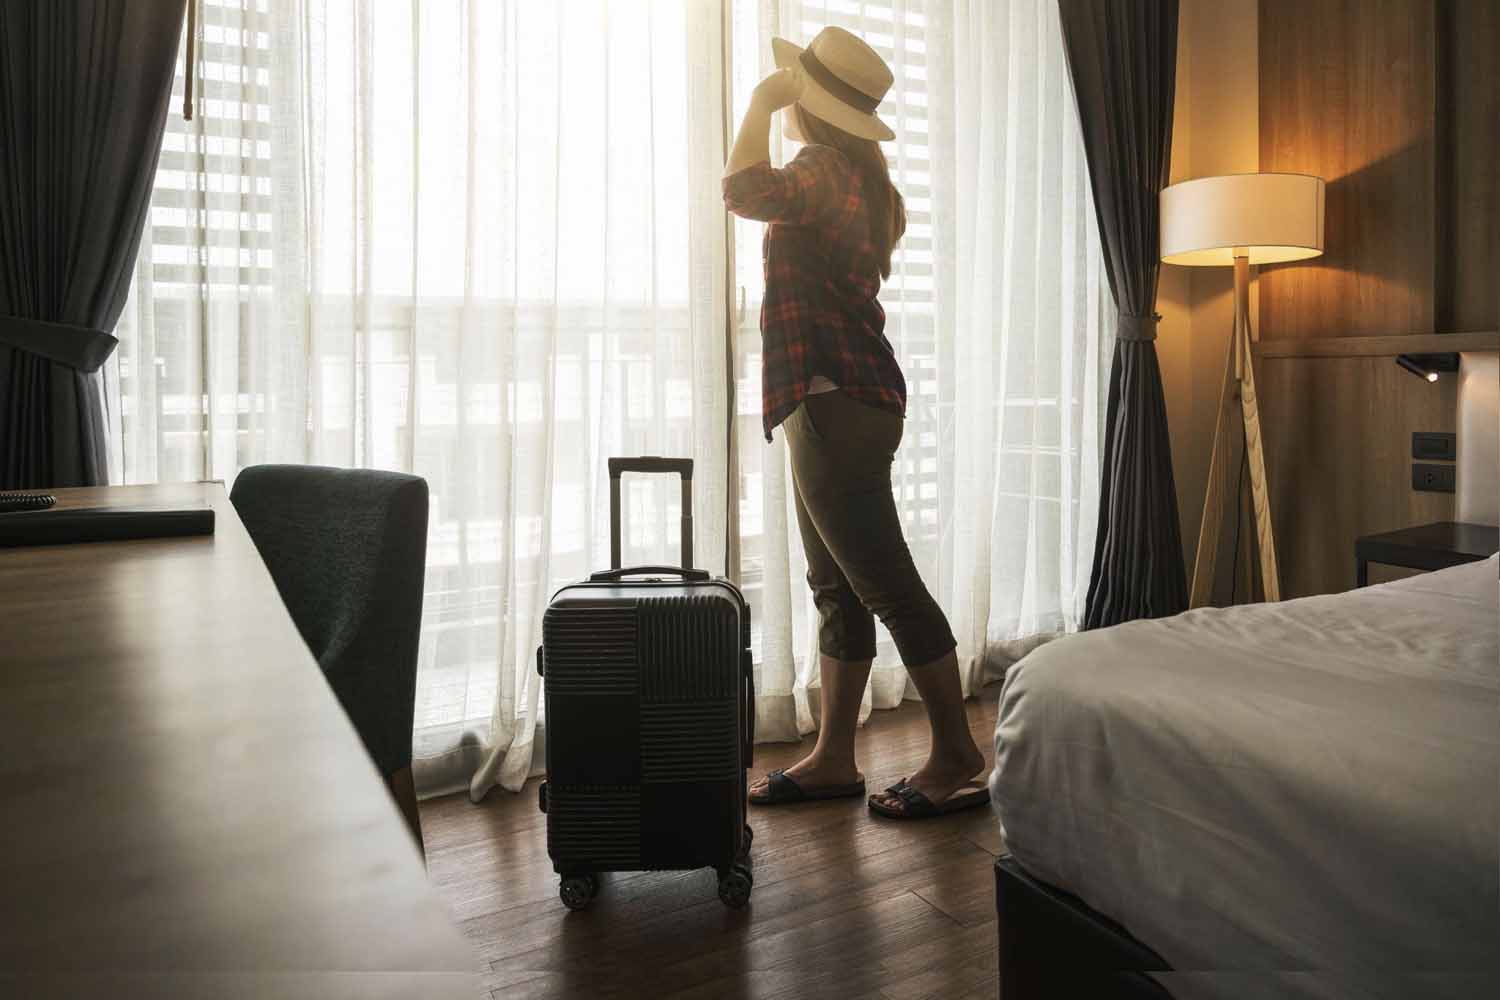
[845, 904]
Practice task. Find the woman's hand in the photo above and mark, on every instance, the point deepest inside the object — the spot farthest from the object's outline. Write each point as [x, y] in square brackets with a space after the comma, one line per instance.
[753, 143]
[776, 91]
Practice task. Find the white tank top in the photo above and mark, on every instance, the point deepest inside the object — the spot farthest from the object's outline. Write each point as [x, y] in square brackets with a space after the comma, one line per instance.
[818, 384]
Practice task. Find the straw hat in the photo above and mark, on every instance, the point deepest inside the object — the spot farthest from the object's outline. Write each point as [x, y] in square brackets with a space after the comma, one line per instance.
[844, 80]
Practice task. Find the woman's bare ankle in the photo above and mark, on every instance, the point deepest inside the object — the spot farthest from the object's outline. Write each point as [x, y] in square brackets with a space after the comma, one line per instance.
[965, 758]
[825, 769]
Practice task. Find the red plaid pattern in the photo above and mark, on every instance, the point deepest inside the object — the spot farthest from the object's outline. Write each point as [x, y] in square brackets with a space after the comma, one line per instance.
[819, 316]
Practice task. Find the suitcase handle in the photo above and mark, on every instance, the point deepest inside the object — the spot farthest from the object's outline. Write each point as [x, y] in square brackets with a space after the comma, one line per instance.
[651, 464]
[620, 574]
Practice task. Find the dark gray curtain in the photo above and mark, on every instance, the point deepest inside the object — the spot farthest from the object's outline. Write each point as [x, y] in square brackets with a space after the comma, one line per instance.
[84, 88]
[1122, 56]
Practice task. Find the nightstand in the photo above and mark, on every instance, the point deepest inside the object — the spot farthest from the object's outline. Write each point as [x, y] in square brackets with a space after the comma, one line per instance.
[1428, 546]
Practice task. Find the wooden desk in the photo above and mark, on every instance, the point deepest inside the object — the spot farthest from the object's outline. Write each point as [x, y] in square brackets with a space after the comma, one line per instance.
[186, 809]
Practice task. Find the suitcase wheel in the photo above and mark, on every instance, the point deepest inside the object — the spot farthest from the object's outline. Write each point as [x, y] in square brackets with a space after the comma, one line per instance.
[734, 887]
[578, 891]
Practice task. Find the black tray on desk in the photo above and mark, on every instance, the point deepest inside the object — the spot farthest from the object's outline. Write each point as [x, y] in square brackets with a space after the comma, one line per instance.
[67, 525]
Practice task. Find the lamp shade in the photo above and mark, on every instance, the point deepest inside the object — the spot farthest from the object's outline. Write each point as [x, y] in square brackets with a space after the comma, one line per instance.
[1270, 218]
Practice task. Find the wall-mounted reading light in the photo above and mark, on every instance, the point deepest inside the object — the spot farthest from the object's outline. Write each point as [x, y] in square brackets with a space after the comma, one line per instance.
[1427, 366]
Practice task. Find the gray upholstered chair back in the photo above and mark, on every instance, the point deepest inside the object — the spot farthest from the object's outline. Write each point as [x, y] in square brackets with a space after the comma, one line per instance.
[347, 549]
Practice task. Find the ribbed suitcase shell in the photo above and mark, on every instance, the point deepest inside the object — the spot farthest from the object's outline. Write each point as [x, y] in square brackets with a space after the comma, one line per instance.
[649, 725]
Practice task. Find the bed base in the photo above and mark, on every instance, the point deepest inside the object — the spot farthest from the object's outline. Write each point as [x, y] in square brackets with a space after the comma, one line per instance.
[1051, 942]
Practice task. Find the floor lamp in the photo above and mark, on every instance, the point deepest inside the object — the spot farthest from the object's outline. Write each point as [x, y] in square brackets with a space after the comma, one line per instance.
[1235, 221]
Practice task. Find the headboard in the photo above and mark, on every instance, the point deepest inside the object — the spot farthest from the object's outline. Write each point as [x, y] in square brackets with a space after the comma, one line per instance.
[1479, 437]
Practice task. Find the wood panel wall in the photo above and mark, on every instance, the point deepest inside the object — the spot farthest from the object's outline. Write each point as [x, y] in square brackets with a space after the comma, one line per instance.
[1394, 103]
[1467, 279]
[1346, 93]
[1338, 440]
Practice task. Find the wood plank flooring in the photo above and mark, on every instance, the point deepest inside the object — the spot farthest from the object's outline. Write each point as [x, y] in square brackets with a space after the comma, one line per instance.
[845, 904]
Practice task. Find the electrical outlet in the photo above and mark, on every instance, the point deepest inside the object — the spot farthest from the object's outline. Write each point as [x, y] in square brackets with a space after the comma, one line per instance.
[1431, 478]
[1434, 446]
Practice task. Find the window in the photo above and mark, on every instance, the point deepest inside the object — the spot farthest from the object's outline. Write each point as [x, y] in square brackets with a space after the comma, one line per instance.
[207, 261]
[485, 242]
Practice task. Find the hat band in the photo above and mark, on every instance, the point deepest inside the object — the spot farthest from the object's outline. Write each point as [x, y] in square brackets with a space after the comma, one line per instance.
[851, 96]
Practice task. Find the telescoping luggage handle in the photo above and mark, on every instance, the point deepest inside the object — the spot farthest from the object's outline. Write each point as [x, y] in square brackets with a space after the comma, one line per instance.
[683, 467]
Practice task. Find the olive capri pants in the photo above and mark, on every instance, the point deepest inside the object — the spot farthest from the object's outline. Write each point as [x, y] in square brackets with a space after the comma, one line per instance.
[858, 564]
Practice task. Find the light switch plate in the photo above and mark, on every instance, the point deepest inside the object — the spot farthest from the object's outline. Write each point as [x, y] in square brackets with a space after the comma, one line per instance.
[1434, 446]
[1432, 478]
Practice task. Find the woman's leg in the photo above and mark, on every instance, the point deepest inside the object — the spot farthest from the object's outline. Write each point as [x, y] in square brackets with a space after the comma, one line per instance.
[845, 486]
[832, 759]
[954, 757]
[843, 688]
[846, 641]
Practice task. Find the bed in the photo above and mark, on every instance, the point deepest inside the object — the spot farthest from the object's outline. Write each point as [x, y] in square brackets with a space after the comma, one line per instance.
[1297, 800]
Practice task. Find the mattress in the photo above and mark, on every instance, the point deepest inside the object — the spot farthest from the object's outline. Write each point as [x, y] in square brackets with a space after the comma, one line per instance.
[1298, 799]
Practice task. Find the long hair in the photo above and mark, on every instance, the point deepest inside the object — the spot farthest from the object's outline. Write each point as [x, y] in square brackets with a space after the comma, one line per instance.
[887, 210]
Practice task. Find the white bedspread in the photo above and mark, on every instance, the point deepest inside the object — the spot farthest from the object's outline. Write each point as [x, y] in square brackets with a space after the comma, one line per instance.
[1311, 786]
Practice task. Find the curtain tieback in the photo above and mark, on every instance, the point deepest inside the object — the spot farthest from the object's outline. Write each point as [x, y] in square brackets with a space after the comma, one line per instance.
[1137, 327]
[80, 347]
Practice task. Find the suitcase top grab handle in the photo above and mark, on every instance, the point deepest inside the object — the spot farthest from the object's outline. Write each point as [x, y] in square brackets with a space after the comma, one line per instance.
[651, 464]
[606, 575]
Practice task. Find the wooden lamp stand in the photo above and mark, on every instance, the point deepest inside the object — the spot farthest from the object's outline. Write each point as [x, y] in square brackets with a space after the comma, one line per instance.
[1239, 219]
[1239, 384]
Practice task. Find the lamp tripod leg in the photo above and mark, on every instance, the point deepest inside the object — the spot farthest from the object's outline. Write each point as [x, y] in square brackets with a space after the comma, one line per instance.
[1260, 495]
[1220, 485]
[1238, 387]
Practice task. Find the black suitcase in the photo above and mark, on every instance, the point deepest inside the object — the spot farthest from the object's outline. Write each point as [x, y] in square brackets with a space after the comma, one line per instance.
[649, 717]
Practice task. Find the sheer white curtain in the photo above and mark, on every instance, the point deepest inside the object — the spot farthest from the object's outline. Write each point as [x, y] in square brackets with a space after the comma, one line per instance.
[1033, 327]
[998, 310]
[482, 242]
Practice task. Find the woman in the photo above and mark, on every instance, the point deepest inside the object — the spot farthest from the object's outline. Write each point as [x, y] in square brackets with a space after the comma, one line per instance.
[831, 380]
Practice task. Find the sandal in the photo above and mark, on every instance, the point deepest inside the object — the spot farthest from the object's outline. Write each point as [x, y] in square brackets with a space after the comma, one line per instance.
[915, 805]
[782, 789]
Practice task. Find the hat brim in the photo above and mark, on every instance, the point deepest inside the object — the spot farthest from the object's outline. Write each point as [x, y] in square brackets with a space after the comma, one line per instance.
[824, 105]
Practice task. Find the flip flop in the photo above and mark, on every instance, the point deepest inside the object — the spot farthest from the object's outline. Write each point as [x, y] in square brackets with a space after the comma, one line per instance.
[782, 790]
[915, 805]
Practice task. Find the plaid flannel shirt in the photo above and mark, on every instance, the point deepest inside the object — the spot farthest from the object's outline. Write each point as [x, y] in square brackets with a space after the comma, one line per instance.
[819, 315]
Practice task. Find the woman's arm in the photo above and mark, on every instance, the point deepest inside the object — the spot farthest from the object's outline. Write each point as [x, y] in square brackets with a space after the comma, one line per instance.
[802, 192]
[752, 144]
